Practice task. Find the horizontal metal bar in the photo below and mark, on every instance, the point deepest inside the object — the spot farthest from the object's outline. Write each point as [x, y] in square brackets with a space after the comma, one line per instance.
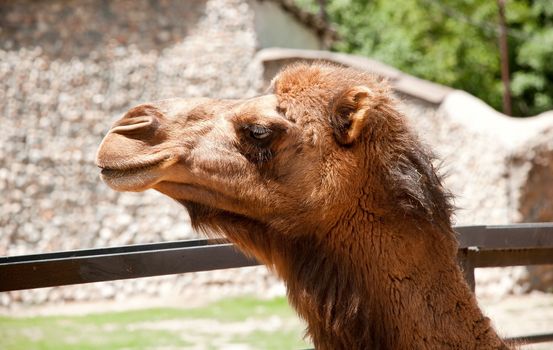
[106, 264]
[530, 235]
[110, 250]
[519, 236]
[507, 257]
[531, 339]
[107, 267]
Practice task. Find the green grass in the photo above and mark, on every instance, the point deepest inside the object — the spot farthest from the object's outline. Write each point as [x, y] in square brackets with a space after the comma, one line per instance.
[269, 340]
[261, 324]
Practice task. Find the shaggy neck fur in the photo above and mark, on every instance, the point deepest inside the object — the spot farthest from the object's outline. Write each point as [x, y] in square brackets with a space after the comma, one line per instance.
[373, 284]
[383, 292]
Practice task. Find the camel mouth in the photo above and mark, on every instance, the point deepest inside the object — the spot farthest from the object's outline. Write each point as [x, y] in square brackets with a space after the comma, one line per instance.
[126, 171]
[135, 177]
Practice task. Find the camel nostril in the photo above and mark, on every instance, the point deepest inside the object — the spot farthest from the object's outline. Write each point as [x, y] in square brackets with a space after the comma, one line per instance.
[140, 121]
[135, 125]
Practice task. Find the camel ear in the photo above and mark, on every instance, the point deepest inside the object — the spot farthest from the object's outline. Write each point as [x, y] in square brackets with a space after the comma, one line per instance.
[350, 113]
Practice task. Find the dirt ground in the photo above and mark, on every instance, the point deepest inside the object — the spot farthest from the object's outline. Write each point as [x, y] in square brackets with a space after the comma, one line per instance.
[516, 315]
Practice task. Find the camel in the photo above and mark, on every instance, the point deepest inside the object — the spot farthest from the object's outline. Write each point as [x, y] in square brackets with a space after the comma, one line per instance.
[322, 180]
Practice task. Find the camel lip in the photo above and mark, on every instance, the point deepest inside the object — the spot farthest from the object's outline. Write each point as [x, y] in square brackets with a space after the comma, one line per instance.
[135, 179]
[111, 172]
[118, 170]
[127, 168]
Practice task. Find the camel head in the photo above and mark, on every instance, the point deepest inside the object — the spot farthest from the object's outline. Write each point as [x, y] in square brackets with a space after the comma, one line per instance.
[293, 161]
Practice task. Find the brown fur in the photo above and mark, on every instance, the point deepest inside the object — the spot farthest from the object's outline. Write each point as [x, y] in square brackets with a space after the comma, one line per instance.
[322, 181]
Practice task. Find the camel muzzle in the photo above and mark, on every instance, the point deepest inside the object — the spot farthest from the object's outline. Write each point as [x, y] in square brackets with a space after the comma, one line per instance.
[142, 146]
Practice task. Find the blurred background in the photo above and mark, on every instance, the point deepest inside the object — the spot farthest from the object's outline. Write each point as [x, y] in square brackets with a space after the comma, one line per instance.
[69, 68]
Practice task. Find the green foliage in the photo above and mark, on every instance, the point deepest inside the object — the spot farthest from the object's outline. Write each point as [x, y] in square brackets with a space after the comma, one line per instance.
[455, 42]
[533, 78]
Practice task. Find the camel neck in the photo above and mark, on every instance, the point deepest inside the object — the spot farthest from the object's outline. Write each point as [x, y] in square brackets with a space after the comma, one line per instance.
[384, 287]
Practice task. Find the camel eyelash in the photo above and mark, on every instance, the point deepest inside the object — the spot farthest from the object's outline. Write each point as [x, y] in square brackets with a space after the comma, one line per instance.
[259, 132]
[256, 141]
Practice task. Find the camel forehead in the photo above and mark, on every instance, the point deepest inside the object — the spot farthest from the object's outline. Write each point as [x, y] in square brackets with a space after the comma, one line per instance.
[265, 105]
[305, 92]
[181, 106]
[304, 79]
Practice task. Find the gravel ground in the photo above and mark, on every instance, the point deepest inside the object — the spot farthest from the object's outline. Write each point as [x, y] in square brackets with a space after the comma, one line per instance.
[517, 315]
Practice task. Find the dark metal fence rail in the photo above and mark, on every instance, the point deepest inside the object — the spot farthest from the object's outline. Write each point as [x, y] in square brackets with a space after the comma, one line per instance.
[108, 264]
[479, 246]
[504, 245]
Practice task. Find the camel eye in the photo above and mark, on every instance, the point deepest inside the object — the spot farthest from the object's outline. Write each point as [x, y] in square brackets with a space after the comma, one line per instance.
[259, 132]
